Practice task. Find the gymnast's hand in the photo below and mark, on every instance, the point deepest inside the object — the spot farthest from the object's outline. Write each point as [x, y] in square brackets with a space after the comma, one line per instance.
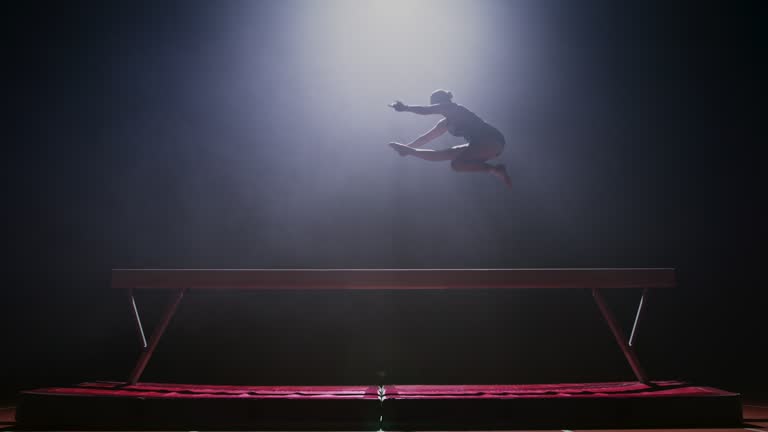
[398, 106]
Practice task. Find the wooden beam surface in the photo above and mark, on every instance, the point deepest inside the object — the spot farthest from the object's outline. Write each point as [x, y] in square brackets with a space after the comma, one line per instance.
[392, 279]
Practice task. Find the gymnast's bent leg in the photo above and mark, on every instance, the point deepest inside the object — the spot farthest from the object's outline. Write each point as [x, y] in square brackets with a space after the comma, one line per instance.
[474, 158]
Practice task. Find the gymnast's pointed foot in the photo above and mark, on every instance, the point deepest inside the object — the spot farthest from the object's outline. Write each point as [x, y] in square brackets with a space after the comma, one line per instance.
[500, 172]
[401, 149]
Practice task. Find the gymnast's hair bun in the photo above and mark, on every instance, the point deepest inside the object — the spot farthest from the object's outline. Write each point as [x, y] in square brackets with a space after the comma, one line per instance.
[440, 96]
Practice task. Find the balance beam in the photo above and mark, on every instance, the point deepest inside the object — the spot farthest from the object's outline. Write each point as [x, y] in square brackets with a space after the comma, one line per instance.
[596, 279]
[392, 279]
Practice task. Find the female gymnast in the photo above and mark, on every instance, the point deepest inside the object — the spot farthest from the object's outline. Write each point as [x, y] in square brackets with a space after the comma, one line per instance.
[484, 142]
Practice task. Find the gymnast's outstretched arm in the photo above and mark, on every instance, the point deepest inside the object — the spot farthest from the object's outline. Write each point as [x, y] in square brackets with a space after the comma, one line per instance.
[419, 109]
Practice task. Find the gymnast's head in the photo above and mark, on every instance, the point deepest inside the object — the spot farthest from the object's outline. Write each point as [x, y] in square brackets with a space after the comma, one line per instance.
[440, 97]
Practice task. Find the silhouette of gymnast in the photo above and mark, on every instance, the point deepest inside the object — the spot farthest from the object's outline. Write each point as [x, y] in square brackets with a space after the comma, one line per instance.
[484, 142]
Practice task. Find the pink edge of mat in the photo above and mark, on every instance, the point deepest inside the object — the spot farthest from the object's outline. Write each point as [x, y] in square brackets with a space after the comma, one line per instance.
[578, 390]
[468, 391]
[192, 391]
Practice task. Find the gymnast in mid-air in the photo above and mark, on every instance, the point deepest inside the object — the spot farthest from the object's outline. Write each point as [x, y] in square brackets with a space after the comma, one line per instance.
[484, 142]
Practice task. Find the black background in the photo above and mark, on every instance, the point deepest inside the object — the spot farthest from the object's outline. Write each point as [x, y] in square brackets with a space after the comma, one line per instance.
[669, 176]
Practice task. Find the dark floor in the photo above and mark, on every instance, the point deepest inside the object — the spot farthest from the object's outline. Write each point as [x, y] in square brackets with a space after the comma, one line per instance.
[755, 417]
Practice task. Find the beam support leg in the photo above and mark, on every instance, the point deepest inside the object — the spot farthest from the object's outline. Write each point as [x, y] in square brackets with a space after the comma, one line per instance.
[146, 354]
[621, 340]
[635, 325]
[137, 320]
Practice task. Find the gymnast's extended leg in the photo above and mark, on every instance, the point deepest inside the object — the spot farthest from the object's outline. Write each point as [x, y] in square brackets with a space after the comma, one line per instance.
[428, 154]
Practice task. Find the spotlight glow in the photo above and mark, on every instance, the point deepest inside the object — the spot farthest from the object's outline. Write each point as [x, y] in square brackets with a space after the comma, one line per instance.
[382, 49]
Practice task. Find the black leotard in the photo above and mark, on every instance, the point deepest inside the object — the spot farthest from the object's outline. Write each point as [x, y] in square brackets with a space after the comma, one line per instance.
[464, 123]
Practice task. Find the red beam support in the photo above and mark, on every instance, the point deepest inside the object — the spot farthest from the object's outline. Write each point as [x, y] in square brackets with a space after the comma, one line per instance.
[621, 340]
[170, 310]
